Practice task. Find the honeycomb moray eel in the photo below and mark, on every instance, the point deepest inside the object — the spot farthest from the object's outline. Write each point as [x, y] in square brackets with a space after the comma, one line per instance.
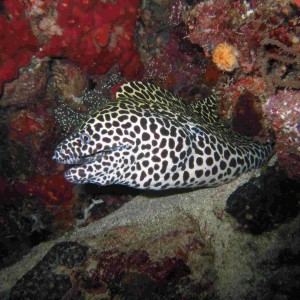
[149, 139]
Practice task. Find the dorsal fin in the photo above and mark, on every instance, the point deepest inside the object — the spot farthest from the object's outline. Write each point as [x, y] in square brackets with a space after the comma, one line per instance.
[145, 92]
[207, 109]
[162, 101]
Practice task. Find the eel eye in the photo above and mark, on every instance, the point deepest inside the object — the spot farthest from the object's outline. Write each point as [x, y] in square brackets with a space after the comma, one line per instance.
[85, 138]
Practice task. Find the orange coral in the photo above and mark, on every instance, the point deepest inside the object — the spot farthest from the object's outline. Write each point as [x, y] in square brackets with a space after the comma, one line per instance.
[225, 57]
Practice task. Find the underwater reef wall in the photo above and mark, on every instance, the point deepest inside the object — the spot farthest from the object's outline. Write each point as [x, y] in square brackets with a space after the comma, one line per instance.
[70, 57]
[93, 34]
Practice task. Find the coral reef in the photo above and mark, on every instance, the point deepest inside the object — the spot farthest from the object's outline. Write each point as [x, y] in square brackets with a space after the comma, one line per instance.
[247, 115]
[171, 61]
[241, 104]
[23, 126]
[68, 82]
[96, 35]
[15, 52]
[243, 24]
[175, 67]
[267, 52]
[283, 112]
[53, 190]
[69, 58]
[280, 64]
[85, 37]
[29, 87]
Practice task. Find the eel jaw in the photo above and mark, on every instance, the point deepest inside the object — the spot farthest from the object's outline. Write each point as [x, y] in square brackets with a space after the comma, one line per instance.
[89, 158]
[85, 159]
[73, 171]
[81, 171]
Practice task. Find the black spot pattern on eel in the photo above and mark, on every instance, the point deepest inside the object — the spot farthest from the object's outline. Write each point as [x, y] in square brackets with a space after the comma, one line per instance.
[149, 139]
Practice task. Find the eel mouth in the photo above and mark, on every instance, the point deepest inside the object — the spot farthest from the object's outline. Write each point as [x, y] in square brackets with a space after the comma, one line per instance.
[88, 158]
[85, 159]
[97, 156]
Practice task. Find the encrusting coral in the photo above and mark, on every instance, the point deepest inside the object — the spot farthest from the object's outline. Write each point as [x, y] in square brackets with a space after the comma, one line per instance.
[283, 111]
[225, 57]
[96, 35]
[242, 24]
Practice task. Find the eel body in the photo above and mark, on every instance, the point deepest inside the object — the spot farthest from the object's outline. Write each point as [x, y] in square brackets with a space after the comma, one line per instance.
[149, 139]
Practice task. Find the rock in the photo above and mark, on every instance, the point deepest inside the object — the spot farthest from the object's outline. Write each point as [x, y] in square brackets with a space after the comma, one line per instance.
[170, 246]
